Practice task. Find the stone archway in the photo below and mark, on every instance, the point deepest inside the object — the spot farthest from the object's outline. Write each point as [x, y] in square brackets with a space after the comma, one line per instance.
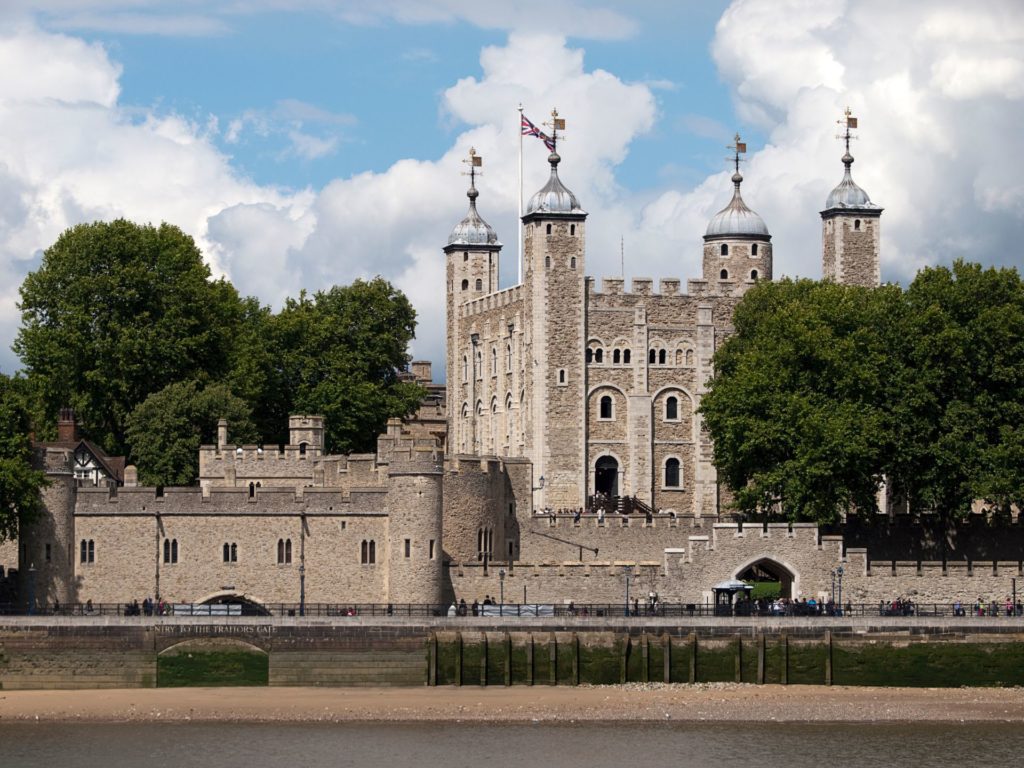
[768, 569]
[606, 476]
[249, 606]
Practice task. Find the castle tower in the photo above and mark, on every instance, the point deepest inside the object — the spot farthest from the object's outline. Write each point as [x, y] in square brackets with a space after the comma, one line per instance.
[555, 311]
[850, 227]
[415, 513]
[471, 258]
[307, 432]
[737, 245]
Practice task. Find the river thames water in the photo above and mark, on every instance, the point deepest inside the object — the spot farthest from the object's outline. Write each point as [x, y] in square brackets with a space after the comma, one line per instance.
[453, 745]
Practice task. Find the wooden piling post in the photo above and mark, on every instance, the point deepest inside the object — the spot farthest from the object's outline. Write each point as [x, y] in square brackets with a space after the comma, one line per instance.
[529, 660]
[784, 674]
[458, 658]
[667, 657]
[553, 659]
[739, 660]
[645, 659]
[828, 657]
[575, 659]
[760, 659]
[508, 659]
[483, 661]
[432, 659]
[624, 660]
[693, 657]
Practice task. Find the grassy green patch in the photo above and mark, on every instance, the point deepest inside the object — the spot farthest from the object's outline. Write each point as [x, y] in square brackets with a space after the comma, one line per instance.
[212, 668]
[600, 664]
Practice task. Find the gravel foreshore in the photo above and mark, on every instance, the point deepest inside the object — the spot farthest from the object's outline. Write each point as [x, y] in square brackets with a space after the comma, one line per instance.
[633, 702]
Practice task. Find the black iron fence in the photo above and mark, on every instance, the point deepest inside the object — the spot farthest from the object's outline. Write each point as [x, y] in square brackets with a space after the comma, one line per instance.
[526, 610]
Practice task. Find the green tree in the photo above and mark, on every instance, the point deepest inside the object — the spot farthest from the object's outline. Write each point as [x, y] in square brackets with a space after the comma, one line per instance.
[116, 312]
[166, 430]
[19, 483]
[798, 408]
[339, 354]
[960, 419]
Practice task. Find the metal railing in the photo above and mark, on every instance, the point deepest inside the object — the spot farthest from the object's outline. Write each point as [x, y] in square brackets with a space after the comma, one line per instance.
[525, 610]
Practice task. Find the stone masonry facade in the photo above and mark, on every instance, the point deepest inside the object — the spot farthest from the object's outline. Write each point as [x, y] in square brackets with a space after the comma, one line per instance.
[558, 389]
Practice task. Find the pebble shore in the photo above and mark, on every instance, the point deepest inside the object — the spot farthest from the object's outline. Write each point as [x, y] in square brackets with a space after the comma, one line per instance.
[639, 702]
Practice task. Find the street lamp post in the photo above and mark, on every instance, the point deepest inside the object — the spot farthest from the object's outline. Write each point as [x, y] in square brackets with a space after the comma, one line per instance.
[832, 594]
[501, 598]
[839, 574]
[302, 590]
[628, 571]
[31, 588]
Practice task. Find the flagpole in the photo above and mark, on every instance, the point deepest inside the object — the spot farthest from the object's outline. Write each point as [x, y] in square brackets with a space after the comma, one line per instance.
[519, 223]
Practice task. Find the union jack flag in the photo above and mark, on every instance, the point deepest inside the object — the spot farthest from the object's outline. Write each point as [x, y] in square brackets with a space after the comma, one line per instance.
[529, 129]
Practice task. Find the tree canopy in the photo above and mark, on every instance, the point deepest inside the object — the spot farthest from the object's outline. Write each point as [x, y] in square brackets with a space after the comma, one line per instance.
[19, 483]
[166, 430]
[825, 390]
[338, 353]
[123, 323]
[116, 312]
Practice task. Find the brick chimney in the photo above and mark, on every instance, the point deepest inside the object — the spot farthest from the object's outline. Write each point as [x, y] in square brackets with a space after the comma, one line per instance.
[67, 427]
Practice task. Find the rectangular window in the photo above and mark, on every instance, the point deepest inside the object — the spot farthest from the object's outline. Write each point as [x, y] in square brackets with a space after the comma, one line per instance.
[47, 553]
[431, 549]
[408, 547]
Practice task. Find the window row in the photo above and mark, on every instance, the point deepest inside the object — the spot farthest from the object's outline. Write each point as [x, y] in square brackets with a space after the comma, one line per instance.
[478, 368]
[670, 410]
[724, 274]
[655, 356]
[485, 543]
[724, 250]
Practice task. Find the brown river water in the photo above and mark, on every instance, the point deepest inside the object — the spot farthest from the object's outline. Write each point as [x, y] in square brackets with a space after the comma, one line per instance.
[474, 745]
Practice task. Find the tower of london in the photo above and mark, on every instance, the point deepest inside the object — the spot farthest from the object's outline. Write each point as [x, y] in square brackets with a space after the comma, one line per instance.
[565, 446]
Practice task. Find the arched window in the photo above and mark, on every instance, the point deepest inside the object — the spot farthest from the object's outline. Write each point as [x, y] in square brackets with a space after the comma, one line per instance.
[252, 490]
[662, 357]
[227, 553]
[284, 551]
[590, 355]
[561, 375]
[465, 255]
[373, 552]
[479, 284]
[856, 224]
[92, 551]
[364, 552]
[689, 357]
[572, 231]
[672, 473]
[598, 355]
[725, 249]
[302, 449]
[234, 553]
[170, 550]
[479, 364]
[652, 356]
[753, 274]
[494, 361]
[679, 357]
[508, 358]
[230, 553]
[753, 249]
[616, 357]
[606, 407]
[572, 263]
[83, 552]
[672, 408]
[625, 356]
[465, 284]
[547, 259]
[724, 275]
[88, 551]
[465, 368]
[549, 229]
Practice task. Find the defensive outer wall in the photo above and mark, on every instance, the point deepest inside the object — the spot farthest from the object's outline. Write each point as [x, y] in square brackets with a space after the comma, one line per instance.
[84, 652]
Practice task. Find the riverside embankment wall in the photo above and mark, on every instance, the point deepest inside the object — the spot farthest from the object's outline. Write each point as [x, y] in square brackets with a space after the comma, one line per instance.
[84, 652]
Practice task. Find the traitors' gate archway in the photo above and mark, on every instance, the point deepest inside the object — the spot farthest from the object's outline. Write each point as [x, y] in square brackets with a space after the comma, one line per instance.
[767, 569]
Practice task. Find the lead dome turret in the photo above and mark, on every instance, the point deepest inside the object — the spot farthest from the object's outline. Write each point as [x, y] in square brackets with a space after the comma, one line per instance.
[736, 219]
[553, 197]
[473, 230]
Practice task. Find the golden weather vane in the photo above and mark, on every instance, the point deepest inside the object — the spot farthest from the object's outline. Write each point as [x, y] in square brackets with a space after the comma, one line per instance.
[849, 122]
[738, 148]
[556, 124]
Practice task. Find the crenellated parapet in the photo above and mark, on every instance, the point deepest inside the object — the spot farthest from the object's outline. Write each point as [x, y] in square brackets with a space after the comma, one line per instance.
[497, 300]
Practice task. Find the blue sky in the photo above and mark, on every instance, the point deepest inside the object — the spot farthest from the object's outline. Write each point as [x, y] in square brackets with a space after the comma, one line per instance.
[309, 142]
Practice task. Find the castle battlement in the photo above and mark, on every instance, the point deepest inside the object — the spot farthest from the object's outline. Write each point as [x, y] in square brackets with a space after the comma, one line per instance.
[192, 501]
[640, 286]
[503, 298]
